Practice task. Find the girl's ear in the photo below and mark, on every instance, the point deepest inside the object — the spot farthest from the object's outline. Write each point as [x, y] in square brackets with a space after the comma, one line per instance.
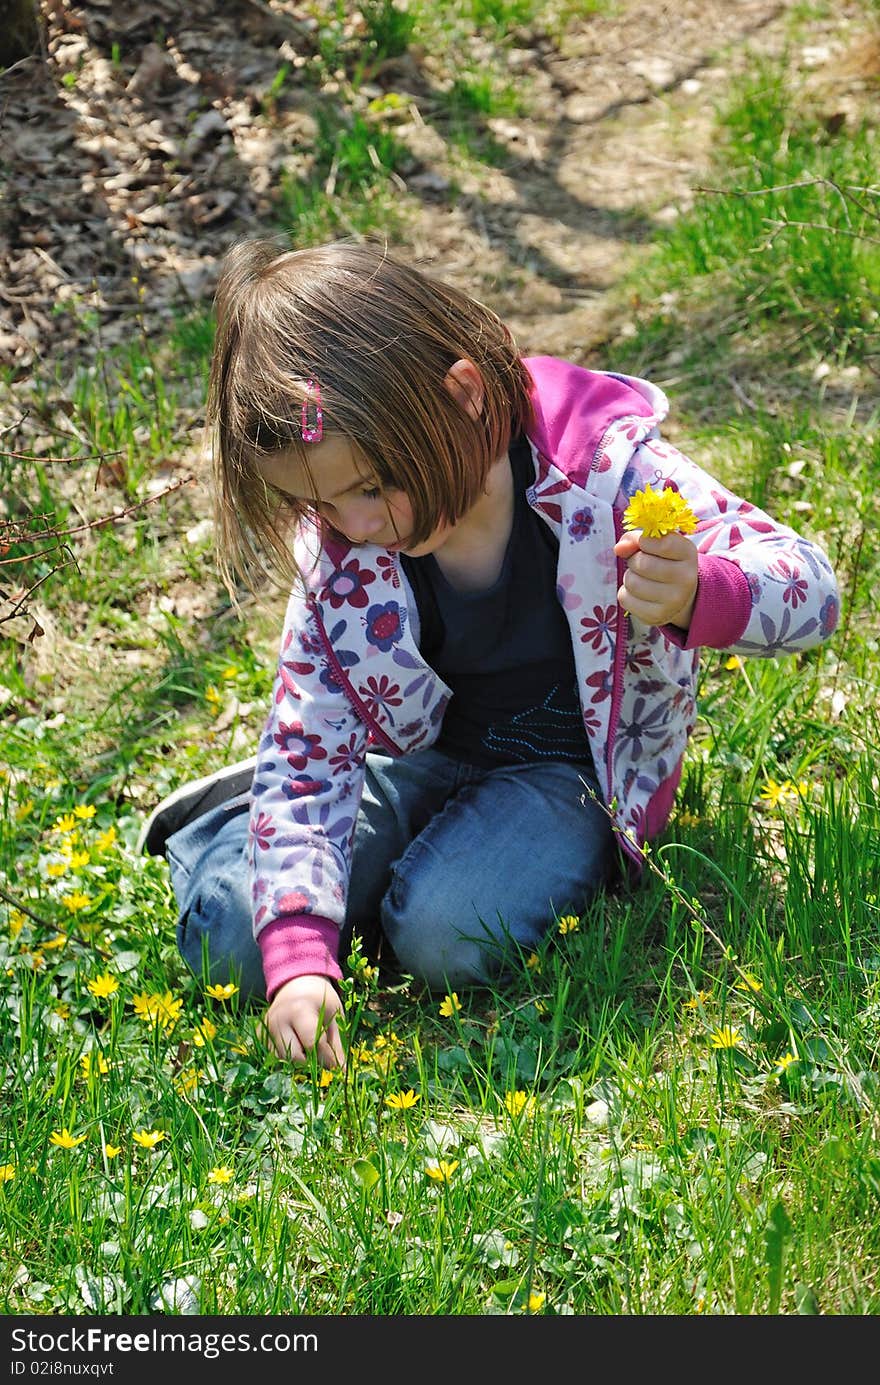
[465, 384]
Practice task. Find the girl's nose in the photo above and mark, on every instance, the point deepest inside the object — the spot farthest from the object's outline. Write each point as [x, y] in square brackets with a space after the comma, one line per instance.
[360, 520]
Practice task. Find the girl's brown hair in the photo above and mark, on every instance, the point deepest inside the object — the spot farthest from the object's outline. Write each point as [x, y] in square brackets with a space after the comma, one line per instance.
[380, 337]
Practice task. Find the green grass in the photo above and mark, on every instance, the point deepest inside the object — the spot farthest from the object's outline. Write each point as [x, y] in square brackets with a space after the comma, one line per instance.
[673, 1109]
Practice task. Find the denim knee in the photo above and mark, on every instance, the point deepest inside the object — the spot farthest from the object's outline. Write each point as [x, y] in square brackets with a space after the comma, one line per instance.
[443, 941]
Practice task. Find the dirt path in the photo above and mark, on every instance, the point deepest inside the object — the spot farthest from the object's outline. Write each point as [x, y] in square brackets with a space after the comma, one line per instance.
[129, 160]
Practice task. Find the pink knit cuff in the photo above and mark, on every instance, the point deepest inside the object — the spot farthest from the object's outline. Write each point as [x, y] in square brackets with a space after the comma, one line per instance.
[722, 608]
[298, 945]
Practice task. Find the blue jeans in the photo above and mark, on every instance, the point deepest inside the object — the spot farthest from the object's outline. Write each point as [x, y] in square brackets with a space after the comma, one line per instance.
[463, 869]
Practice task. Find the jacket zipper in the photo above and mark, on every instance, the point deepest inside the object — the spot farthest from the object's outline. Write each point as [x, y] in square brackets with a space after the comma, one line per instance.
[344, 682]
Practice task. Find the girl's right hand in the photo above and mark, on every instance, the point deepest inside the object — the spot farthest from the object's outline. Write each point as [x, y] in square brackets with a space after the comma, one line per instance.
[302, 1016]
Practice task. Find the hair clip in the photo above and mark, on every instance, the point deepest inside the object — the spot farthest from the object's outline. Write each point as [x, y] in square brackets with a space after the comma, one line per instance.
[312, 427]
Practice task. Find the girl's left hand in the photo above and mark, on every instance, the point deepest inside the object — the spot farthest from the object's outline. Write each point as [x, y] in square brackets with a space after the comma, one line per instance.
[660, 584]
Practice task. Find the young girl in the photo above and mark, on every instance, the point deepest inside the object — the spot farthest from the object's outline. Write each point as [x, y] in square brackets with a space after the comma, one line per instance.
[479, 668]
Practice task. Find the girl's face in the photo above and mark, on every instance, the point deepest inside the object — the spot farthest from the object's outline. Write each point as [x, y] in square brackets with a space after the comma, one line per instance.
[349, 501]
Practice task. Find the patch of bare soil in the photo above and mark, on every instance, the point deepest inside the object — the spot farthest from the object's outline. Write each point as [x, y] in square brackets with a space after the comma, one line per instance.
[146, 136]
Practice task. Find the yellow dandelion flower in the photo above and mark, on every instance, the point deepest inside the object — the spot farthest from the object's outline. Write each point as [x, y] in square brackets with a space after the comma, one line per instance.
[726, 1037]
[733, 662]
[230, 672]
[63, 1139]
[102, 1067]
[402, 1101]
[62, 1010]
[187, 1080]
[450, 1005]
[659, 512]
[518, 1102]
[533, 963]
[7, 1173]
[696, 1000]
[784, 1063]
[221, 1174]
[148, 1139]
[569, 924]
[54, 944]
[103, 986]
[16, 923]
[220, 992]
[326, 1078]
[111, 1151]
[24, 810]
[212, 697]
[441, 1170]
[78, 859]
[76, 901]
[748, 982]
[204, 1033]
[85, 810]
[158, 1009]
[105, 840]
[64, 824]
[536, 1301]
[774, 793]
[56, 869]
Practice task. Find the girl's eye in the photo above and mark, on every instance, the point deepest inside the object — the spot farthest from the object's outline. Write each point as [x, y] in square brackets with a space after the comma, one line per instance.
[371, 493]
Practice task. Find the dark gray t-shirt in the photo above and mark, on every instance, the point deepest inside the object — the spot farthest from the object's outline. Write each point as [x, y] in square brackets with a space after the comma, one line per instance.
[505, 652]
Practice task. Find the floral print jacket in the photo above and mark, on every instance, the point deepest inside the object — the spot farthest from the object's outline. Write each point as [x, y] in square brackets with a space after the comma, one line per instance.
[350, 674]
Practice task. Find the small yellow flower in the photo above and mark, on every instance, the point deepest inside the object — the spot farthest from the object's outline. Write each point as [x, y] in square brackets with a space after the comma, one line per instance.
[102, 1067]
[64, 824]
[450, 1005]
[218, 992]
[687, 819]
[696, 1000]
[56, 869]
[38, 961]
[187, 1080]
[55, 943]
[63, 1139]
[402, 1101]
[221, 1174]
[85, 810]
[24, 810]
[105, 840]
[726, 1037]
[239, 1048]
[16, 923]
[76, 901]
[517, 1102]
[441, 1170]
[774, 793]
[733, 662]
[78, 859]
[326, 1078]
[213, 698]
[784, 1063]
[7, 1173]
[163, 1010]
[204, 1033]
[569, 924]
[533, 963]
[536, 1301]
[541, 1007]
[230, 672]
[148, 1139]
[111, 1151]
[748, 982]
[62, 1010]
[659, 512]
[103, 986]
